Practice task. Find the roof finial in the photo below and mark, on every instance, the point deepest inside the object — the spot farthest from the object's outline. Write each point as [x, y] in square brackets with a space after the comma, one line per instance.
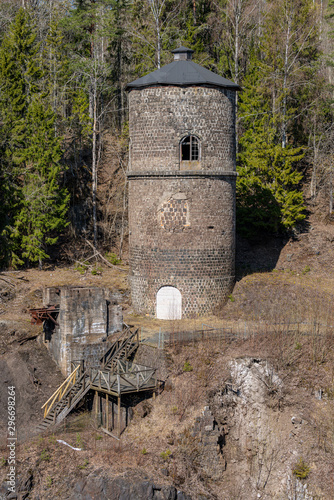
[182, 54]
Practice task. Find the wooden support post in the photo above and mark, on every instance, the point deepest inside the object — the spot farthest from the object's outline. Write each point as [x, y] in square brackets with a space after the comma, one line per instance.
[96, 404]
[155, 385]
[107, 412]
[100, 409]
[119, 415]
[112, 414]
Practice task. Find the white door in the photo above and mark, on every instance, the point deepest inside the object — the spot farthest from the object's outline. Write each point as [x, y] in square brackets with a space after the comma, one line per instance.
[169, 303]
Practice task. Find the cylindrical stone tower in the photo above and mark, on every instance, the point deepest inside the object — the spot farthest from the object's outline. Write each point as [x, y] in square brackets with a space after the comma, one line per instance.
[181, 189]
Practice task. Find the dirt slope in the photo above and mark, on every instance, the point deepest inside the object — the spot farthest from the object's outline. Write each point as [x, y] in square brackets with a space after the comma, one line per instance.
[239, 447]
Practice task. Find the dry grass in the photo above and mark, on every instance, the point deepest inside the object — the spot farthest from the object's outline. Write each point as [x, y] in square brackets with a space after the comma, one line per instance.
[291, 320]
[28, 286]
[145, 443]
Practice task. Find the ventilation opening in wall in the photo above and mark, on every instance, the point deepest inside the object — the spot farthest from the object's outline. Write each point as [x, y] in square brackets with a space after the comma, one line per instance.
[169, 303]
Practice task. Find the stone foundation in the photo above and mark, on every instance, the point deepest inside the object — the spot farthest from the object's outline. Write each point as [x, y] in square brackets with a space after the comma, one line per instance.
[193, 251]
[87, 317]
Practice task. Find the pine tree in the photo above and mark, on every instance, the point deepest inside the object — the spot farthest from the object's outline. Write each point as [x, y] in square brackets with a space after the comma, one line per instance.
[119, 57]
[86, 28]
[56, 70]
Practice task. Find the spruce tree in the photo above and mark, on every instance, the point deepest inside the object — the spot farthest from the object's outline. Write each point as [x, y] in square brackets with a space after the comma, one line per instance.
[268, 194]
[41, 214]
[32, 152]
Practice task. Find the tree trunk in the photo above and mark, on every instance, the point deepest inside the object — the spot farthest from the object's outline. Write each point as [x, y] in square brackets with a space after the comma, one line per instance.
[286, 57]
[236, 70]
[94, 165]
[331, 191]
[158, 42]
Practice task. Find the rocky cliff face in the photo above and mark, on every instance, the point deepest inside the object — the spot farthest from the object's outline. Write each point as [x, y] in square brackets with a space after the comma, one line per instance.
[130, 486]
[260, 439]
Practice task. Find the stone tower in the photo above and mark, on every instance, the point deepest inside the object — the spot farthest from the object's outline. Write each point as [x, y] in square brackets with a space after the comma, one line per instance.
[181, 189]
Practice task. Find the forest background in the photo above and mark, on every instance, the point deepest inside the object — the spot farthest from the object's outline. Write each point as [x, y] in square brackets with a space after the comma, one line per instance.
[64, 66]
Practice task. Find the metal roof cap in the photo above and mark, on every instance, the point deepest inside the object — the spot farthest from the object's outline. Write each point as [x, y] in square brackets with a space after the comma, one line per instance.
[182, 72]
[182, 54]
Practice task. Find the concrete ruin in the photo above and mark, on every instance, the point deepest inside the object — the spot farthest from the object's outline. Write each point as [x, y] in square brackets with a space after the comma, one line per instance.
[87, 317]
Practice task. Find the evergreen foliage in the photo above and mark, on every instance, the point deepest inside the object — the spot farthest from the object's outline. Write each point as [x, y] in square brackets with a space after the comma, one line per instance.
[41, 211]
[31, 151]
[267, 187]
[63, 70]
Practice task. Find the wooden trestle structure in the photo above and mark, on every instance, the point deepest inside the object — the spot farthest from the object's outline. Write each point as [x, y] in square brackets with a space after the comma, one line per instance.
[116, 376]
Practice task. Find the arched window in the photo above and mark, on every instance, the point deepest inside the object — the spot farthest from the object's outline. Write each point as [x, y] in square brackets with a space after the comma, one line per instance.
[190, 148]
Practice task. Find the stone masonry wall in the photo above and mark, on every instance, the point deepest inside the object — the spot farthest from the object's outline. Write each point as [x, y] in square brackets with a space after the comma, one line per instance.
[197, 258]
[86, 318]
[160, 117]
[181, 214]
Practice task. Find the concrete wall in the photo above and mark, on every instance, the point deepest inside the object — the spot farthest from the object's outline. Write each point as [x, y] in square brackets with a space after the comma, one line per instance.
[87, 317]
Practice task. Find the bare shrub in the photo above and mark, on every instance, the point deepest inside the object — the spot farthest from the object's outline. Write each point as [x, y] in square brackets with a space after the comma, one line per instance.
[188, 453]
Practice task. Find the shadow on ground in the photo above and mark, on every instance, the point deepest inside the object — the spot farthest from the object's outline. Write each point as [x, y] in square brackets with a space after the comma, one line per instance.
[260, 256]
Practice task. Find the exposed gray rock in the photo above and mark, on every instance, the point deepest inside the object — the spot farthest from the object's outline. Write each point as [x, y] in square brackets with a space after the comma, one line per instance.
[131, 486]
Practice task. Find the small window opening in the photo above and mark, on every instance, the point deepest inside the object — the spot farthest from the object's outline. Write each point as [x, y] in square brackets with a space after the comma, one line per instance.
[190, 148]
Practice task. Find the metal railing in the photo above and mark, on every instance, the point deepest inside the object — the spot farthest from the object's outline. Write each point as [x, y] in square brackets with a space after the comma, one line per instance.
[241, 331]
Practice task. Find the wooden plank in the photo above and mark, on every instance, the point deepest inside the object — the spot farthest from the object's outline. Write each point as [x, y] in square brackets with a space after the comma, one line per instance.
[109, 433]
[124, 390]
[104, 378]
[127, 381]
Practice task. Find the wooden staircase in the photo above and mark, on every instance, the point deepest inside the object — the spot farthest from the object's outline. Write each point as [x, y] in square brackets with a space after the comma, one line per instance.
[78, 383]
[126, 344]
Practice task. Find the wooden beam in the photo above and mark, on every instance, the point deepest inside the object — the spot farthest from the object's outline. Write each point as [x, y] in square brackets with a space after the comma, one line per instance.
[109, 433]
[107, 411]
[128, 390]
[112, 414]
[119, 416]
[96, 404]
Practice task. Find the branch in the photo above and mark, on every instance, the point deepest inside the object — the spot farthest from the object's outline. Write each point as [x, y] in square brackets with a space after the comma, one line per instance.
[103, 259]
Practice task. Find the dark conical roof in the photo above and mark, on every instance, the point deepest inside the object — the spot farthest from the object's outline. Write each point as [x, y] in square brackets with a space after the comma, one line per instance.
[182, 72]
